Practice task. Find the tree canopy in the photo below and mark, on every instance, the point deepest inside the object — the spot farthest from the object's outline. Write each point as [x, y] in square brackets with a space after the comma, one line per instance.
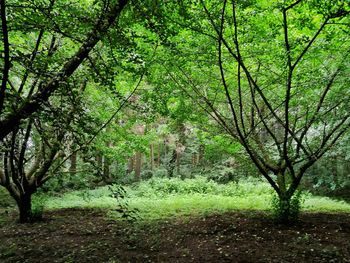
[109, 78]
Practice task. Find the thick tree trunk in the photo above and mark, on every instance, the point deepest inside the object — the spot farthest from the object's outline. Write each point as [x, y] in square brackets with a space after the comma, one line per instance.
[283, 211]
[285, 215]
[24, 204]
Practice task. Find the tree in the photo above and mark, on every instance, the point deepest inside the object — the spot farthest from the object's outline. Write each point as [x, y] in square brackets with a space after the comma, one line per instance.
[31, 150]
[38, 96]
[279, 82]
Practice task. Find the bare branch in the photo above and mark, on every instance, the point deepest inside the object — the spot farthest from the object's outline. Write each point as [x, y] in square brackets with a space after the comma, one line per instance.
[310, 43]
[7, 65]
[294, 4]
[288, 87]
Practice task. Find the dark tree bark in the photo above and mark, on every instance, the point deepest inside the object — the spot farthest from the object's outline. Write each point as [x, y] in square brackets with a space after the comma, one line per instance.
[138, 164]
[172, 163]
[6, 45]
[24, 204]
[106, 169]
[131, 164]
[151, 156]
[73, 163]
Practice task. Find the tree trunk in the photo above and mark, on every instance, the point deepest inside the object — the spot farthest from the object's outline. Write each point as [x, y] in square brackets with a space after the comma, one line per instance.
[171, 164]
[130, 165]
[106, 171]
[24, 204]
[283, 208]
[99, 161]
[138, 163]
[194, 160]
[178, 161]
[73, 164]
[284, 214]
[151, 153]
[158, 155]
[200, 155]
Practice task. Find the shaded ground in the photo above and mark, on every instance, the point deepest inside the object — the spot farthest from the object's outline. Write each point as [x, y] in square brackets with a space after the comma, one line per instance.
[89, 236]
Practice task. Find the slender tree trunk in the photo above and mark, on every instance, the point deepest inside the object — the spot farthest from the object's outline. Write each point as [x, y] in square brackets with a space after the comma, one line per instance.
[99, 161]
[106, 172]
[151, 153]
[171, 164]
[178, 161]
[158, 155]
[200, 154]
[131, 164]
[194, 160]
[73, 164]
[138, 163]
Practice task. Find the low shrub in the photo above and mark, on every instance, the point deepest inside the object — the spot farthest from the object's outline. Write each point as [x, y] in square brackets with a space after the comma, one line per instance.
[38, 206]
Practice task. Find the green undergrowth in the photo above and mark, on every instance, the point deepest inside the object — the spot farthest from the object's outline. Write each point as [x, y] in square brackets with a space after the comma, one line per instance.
[164, 198]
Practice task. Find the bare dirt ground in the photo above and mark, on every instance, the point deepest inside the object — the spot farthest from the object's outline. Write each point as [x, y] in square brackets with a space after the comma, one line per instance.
[90, 236]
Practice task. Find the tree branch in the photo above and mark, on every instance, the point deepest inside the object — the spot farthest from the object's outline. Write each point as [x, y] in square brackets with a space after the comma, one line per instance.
[7, 65]
[33, 105]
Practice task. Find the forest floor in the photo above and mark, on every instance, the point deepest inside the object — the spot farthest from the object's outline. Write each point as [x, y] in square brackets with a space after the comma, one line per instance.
[77, 235]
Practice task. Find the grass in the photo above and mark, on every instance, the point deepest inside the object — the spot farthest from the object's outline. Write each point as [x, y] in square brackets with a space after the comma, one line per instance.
[165, 198]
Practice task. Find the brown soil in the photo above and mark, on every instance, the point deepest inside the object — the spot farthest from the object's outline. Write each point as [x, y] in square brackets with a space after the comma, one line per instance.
[89, 236]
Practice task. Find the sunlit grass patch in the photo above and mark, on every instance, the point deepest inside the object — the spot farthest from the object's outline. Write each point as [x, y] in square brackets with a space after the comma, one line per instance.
[195, 204]
[165, 198]
[325, 204]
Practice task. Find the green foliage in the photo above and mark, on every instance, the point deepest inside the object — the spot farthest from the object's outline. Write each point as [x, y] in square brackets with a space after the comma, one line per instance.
[330, 175]
[219, 145]
[122, 208]
[65, 181]
[160, 173]
[166, 186]
[163, 198]
[5, 198]
[324, 204]
[163, 187]
[38, 206]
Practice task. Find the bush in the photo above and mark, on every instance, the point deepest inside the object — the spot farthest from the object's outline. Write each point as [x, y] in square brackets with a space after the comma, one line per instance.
[166, 186]
[38, 206]
[122, 205]
[284, 212]
[64, 182]
[222, 174]
[160, 173]
[200, 185]
[146, 174]
[5, 198]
